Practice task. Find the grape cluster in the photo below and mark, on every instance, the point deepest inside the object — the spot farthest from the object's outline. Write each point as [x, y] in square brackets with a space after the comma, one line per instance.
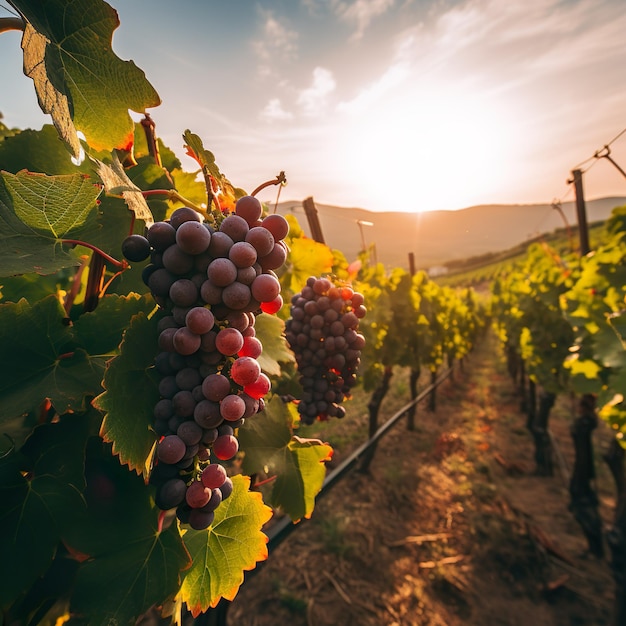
[323, 333]
[210, 283]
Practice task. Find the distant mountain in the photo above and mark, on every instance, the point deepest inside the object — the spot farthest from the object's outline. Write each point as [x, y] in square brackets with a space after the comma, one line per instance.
[437, 237]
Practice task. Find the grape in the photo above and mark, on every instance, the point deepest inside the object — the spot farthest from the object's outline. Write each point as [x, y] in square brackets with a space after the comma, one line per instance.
[183, 404]
[186, 342]
[261, 239]
[161, 236]
[207, 414]
[235, 227]
[197, 495]
[170, 494]
[277, 225]
[220, 245]
[249, 208]
[193, 237]
[188, 378]
[136, 248]
[190, 432]
[245, 370]
[200, 520]
[222, 272]
[259, 388]
[199, 320]
[236, 296]
[183, 292]
[214, 502]
[171, 449]
[243, 254]
[160, 282]
[232, 408]
[215, 387]
[265, 288]
[177, 261]
[227, 488]
[273, 306]
[275, 258]
[251, 347]
[225, 447]
[229, 341]
[184, 214]
[213, 476]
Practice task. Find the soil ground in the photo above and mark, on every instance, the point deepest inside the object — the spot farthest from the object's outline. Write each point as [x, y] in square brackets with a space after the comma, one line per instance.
[450, 526]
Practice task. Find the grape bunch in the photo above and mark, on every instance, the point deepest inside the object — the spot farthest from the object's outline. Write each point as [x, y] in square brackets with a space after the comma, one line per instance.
[210, 283]
[323, 333]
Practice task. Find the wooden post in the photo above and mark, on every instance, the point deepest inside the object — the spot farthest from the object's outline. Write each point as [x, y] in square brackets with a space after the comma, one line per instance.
[314, 224]
[583, 497]
[411, 264]
[581, 212]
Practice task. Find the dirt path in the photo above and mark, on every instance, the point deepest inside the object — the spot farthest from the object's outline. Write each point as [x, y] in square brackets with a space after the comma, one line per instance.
[448, 529]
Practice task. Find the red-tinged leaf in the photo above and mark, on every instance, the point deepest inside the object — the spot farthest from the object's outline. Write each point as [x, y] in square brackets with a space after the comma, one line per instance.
[131, 391]
[221, 554]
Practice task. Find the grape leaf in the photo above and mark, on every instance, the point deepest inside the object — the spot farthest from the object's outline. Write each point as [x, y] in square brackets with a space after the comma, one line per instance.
[52, 205]
[23, 249]
[45, 362]
[116, 182]
[268, 442]
[41, 494]
[100, 332]
[306, 258]
[38, 151]
[119, 585]
[233, 544]
[131, 391]
[270, 330]
[79, 80]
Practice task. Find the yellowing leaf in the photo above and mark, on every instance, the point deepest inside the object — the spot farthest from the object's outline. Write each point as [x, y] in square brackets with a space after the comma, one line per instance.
[307, 258]
[233, 544]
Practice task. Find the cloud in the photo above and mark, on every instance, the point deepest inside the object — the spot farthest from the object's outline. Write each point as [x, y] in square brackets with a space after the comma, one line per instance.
[277, 44]
[314, 99]
[274, 111]
[361, 13]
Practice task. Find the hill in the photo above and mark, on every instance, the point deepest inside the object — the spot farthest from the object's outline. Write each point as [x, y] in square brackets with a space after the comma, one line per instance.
[437, 237]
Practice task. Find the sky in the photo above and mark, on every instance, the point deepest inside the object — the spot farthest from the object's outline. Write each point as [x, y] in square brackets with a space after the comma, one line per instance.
[386, 105]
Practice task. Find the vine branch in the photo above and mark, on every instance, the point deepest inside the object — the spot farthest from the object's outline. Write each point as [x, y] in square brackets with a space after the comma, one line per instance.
[11, 23]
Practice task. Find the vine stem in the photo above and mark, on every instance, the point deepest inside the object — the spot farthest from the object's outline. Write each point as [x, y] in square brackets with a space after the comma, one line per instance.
[281, 179]
[266, 481]
[174, 196]
[121, 264]
[11, 23]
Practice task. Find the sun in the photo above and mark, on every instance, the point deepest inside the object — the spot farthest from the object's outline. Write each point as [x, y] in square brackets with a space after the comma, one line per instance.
[434, 150]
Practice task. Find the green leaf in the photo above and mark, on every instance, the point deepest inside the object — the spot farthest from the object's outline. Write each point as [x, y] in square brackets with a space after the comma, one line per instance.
[51, 205]
[78, 78]
[131, 391]
[233, 544]
[119, 585]
[271, 332]
[269, 445]
[23, 250]
[45, 362]
[38, 151]
[40, 489]
[100, 331]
